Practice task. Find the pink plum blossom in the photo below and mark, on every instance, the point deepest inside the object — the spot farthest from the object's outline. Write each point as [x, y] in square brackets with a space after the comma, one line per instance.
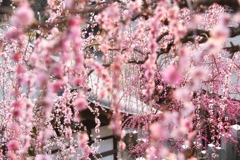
[13, 33]
[166, 70]
[43, 157]
[13, 145]
[23, 16]
[122, 145]
[158, 132]
[171, 75]
[220, 33]
[12, 156]
[80, 103]
[68, 132]
[57, 70]
[57, 86]
[104, 48]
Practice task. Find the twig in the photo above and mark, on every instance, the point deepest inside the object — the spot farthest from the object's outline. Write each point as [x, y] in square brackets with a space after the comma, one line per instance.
[161, 36]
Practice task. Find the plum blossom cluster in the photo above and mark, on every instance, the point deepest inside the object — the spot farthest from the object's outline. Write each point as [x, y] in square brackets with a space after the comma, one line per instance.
[162, 69]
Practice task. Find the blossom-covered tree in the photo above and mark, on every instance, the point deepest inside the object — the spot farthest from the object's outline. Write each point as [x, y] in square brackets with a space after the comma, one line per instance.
[167, 68]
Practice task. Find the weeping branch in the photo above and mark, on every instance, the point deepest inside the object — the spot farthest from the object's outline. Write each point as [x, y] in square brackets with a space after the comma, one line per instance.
[161, 36]
[203, 4]
[232, 49]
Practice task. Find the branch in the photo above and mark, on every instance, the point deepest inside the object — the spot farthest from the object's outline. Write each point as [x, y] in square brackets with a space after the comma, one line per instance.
[107, 64]
[163, 51]
[161, 36]
[232, 49]
[197, 32]
[144, 12]
[234, 31]
[137, 50]
[137, 61]
[133, 61]
[136, 16]
[231, 3]
[201, 4]
[90, 9]
[90, 72]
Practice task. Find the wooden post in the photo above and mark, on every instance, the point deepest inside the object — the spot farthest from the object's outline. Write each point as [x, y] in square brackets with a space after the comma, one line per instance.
[221, 153]
[211, 151]
[203, 155]
[231, 149]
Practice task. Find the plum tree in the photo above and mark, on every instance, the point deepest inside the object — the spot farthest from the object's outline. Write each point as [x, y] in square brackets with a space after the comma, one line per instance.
[167, 68]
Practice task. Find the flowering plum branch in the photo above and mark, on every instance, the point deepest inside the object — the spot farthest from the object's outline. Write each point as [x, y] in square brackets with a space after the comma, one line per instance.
[158, 68]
